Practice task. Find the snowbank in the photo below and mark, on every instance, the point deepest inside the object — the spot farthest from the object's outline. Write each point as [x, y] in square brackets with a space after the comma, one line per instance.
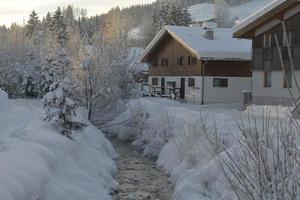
[3, 100]
[36, 162]
[173, 133]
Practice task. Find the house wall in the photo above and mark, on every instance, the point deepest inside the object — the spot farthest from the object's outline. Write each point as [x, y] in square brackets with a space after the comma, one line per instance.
[172, 50]
[228, 68]
[268, 59]
[231, 94]
[275, 95]
[237, 72]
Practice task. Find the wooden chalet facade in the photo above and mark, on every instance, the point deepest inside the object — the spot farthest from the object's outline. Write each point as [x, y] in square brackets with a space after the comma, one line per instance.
[178, 65]
[281, 20]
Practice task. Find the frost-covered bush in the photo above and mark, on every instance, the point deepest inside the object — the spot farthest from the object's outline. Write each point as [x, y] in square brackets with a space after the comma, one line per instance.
[147, 130]
[61, 109]
[4, 104]
[264, 162]
[156, 133]
[131, 123]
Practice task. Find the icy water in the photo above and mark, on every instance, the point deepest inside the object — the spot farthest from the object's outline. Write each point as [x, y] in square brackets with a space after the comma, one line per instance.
[138, 176]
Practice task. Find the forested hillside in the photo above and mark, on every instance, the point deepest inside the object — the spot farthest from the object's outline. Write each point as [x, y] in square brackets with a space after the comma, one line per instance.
[67, 43]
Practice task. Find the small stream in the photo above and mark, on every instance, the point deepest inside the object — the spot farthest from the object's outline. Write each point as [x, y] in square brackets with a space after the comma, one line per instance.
[138, 176]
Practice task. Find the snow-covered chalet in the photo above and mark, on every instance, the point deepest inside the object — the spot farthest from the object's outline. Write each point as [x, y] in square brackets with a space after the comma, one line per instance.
[274, 29]
[199, 64]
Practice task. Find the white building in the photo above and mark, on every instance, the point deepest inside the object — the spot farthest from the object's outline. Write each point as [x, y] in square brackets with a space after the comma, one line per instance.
[277, 22]
[200, 65]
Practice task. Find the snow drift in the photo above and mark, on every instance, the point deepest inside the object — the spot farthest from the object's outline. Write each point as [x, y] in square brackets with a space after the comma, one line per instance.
[36, 162]
[172, 132]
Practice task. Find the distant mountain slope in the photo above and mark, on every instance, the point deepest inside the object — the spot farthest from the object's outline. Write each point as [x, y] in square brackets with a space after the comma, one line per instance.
[202, 12]
[247, 9]
[206, 11]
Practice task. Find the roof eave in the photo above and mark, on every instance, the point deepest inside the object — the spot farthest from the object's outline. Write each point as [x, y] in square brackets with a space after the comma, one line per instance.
[152, 45]
[224, 59]
[247, 32]
[158, 38]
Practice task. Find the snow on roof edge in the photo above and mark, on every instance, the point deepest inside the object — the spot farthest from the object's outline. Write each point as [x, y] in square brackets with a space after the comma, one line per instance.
[182, 42]
[159, 36]
[255, 16]
[152, 43]
[205, 53]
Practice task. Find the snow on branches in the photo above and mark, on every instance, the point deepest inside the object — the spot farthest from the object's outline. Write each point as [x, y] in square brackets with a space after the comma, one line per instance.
[61, 109]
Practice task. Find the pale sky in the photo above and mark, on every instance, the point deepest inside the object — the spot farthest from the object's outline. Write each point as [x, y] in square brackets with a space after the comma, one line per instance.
[19, 10]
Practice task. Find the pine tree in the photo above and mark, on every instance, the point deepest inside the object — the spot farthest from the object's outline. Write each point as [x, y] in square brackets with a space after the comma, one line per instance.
[58, 26]
[161, 14]
[185, 17]
[47, 21]
[174, 15]
[32, 23]
[69, 16]
[61, 109]
[55, 67]
[168, 13]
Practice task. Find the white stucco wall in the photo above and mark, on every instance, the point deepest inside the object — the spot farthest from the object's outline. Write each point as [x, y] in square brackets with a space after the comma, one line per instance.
[231, 94]
[276, 94]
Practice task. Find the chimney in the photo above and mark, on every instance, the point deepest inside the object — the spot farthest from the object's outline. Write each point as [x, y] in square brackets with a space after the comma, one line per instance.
[209, 34]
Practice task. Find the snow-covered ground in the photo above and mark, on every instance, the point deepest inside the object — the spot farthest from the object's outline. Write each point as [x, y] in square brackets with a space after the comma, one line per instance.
[36, 162]
[171, 131]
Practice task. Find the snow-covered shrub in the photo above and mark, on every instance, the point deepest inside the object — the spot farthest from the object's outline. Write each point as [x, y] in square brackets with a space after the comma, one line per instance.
[263, 165]
[4, 104]
[61, 109]
[156, 133]
[132, 122]
[147, 130]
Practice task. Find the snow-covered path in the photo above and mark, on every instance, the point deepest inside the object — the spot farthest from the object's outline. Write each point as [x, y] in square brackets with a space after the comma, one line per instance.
[138, 176]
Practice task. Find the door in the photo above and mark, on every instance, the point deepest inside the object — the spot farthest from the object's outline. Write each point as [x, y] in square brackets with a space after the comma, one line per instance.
[163, 86]
[182, 88]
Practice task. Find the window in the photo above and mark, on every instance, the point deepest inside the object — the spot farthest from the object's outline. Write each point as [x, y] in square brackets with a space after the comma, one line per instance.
[189, 60]
[191, 82]
[220, 82]
[285, 54]
[267, 40]
[181, 60]
[154, 81]
[192, 60]
[267, 79]
[155, 62]
[287, 38]
[164, 62]
[287, 80]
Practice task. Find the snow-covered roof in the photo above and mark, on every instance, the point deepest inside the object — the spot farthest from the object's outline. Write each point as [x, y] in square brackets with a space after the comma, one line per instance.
[132, 59]
[222, 47]
[258, 15]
